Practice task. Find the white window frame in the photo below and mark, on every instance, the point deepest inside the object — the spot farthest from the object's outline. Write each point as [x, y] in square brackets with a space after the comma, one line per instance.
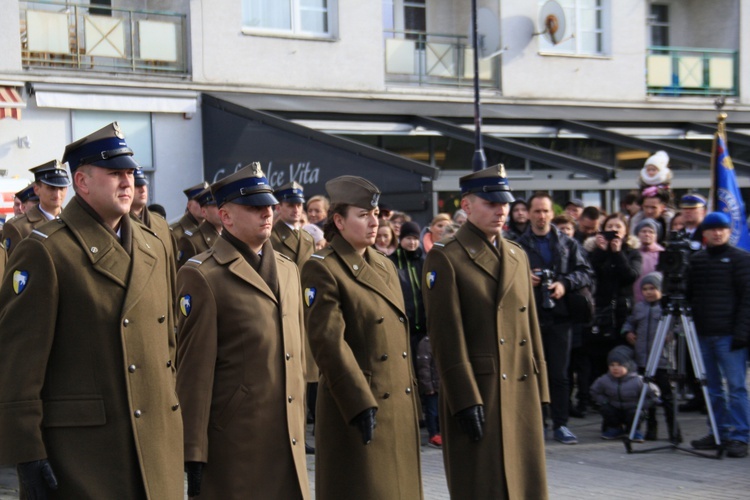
[572, 44]
[296, 30]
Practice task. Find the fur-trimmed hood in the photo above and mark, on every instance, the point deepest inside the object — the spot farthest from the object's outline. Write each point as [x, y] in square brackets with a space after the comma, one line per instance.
[589, 244]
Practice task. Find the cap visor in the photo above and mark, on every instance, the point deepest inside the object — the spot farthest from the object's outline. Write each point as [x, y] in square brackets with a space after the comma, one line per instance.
[496, 196]
[293, 199]
[141, 182]
[256, 200]
[57, 182]
[122, 162]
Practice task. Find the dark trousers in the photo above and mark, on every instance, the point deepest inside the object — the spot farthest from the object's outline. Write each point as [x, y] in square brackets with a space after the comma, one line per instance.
[556, 342]
[615, 418]
[430, 408]
[580, 370]
[661, 379]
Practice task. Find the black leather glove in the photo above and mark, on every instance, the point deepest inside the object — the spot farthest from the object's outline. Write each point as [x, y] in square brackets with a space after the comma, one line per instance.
[194, 477]
[472, 421]
[366, 424]
[738, 343]
[36, 479]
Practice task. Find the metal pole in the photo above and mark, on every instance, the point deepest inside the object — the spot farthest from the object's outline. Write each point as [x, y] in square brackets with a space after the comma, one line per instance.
[479, 161]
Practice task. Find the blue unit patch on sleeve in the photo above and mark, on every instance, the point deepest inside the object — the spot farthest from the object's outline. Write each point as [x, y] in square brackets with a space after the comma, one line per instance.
[310, 296]
[186, 305]
[431, 279]
[20, 280]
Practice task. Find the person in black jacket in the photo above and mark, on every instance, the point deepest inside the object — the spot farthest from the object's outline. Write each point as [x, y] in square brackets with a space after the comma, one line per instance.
[518, 220]
[409, 260]
[553, 254]
[719, 293]
[615, 258]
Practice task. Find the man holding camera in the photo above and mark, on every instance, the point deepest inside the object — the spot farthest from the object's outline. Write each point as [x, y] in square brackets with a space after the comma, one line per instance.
[558, 267]
[719, 293]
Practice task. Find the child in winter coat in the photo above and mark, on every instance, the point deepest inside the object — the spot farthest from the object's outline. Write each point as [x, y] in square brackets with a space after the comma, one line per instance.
[640, 332]
[618, 392]
[429, 385]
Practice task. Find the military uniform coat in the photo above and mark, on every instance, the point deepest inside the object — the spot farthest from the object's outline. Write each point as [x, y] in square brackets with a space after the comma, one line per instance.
[158, 225]
[186, 223]
[193, 243]
[240, 376]
[359, 336]
[86, 372]
[20, 227]
[482, 323]
[298, 247]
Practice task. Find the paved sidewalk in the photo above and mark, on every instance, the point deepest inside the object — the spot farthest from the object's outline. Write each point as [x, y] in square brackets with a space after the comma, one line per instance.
[594, 469]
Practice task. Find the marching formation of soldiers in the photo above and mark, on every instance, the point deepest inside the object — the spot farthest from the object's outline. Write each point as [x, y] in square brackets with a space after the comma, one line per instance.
[133, 352]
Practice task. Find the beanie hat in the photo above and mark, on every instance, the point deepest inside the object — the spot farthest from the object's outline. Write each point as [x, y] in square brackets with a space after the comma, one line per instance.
[648, 222]
[623, 355]
[716, 220]
[654, 279]
[660, 160]
[409, 229]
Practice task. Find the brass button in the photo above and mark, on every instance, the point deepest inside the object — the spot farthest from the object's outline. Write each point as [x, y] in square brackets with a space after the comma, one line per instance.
[408, 390]
[401, 319]
[381, 319]
[126, 322]
[386, 395]
[523, 377]
[383, 357]
[169, 363]
[290, 398]
[504, 376]
[502, 341]
[294, 441]
[175, 407]
[523, 342]
[131, 368]
[162, 319]
[522, 309]
[288, 356]
[405, 354]
[137, 413]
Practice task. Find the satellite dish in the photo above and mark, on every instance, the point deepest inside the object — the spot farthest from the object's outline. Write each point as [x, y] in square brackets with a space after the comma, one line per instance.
[552, 22]
[488, 34]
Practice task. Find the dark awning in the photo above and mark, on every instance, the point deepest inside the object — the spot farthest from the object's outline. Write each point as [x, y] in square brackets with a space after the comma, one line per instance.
[234, 136]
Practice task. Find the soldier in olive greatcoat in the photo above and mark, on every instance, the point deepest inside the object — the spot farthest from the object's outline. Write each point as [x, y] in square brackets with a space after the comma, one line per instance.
[194, 242]
[241, 356]
[142, 214]
[358, 332]
[87, 399]
[50, 186]
[481, 318]
[192, 216]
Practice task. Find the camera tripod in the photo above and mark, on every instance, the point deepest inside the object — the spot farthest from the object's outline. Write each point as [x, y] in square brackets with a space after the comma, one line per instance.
[676, 308]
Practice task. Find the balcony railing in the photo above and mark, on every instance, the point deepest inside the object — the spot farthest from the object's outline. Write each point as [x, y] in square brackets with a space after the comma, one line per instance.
[82, 37]
[677, 71]
[434, 59]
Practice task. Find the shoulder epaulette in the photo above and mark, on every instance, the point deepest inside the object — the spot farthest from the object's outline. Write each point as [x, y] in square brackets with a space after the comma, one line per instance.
[322, 254]
[188, 233]
[194, 260]
[46, 230]
[513, 243]
[284, 256]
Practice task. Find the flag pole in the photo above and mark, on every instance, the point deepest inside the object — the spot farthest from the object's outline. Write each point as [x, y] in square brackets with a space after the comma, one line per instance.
[720, 127]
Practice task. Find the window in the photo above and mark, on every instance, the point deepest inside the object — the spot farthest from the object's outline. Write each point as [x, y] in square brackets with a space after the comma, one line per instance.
[587, 28]
[305, 17]
[659, 21]
[135, 126]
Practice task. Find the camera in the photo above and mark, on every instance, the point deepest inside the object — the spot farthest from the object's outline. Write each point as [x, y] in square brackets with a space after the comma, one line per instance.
[674, 262]
[609, 235]
[547, 276]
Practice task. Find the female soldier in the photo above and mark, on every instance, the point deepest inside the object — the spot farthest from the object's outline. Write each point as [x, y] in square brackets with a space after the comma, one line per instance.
[359, 336]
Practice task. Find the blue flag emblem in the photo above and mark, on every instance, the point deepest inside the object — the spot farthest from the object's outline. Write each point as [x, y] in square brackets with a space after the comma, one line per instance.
[310, 296]
[20, 280]
[186, 304]
[431, 278]
[728, 197]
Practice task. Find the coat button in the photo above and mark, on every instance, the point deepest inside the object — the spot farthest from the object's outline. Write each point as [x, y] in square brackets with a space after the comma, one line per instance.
[383, 357]
[162, 319]
[522, 309]
[502, 341]
[131, 368]
[126, 322]
[175, 407]
[401, 319]
[288, 356]
[523, 377]
[294, 441]
[290, 398]
[169, 363]
[137, 413]
[523, 342]
[408, 390]
[505, 376]
[381, 319]
[405, 354]
[386, 395]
